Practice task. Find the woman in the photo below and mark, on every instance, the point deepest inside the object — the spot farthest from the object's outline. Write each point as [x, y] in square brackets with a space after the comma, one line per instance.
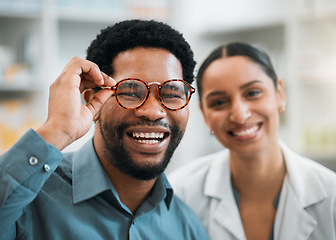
[257, 188]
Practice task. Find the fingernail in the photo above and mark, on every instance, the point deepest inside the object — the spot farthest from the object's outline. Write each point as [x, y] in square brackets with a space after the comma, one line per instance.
[112, 79]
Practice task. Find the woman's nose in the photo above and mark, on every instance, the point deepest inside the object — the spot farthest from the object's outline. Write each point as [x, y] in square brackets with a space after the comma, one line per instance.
[152, 109]
[240, 112]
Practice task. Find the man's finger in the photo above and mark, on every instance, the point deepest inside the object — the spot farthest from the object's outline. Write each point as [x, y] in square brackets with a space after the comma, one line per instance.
[108, 81]
[81, 67]
[98, 100]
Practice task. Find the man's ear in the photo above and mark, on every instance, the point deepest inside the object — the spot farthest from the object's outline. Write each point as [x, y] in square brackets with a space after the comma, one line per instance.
[87, 96]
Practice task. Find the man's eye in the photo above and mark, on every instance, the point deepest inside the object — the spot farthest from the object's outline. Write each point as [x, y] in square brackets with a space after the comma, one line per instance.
[130, 94]
[172, 96]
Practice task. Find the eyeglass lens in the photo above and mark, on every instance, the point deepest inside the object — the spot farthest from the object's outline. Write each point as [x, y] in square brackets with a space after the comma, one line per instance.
[133, 93]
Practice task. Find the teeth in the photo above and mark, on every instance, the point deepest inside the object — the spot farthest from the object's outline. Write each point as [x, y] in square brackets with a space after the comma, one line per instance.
[147, 141]
[147, 135]
[246, 132]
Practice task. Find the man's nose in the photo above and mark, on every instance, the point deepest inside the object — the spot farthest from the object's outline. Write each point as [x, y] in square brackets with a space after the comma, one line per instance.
[240, 112]
[152, 109]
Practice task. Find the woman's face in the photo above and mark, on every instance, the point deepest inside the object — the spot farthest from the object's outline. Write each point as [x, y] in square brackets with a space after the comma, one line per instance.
[241, 105]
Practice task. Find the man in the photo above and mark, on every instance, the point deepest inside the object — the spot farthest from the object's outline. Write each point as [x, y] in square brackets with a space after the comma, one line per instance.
[114, 186]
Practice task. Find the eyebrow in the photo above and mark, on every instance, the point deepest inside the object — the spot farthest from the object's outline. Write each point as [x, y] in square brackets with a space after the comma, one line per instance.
[241, 87]
[251, 83]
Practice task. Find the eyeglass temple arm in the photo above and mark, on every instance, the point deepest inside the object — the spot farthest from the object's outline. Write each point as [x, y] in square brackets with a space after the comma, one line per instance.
[111, 88]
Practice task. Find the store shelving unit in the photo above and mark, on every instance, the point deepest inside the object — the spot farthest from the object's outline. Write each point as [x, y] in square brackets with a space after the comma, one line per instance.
[20, 32]
[38, 38]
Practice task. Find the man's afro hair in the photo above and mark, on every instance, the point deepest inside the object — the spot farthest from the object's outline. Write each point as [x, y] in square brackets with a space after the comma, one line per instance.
[130, 34]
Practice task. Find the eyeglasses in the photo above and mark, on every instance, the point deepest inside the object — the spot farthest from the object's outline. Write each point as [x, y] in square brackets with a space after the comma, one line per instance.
[132, 93]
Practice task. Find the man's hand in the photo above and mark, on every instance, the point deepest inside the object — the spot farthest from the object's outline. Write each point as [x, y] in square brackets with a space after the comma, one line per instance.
[68, 119]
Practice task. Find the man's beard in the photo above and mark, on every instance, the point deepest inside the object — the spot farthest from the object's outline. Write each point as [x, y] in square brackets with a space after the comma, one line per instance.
[120, 157]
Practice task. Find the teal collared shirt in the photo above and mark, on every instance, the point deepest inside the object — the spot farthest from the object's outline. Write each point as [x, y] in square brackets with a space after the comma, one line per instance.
[70, 196]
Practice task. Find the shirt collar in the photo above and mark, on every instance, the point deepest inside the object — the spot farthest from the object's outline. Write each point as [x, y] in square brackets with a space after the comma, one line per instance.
[90, 179]
[162, 190]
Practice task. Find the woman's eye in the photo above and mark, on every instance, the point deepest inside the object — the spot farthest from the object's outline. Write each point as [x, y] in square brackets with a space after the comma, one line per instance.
[253, 93]
[217, 103]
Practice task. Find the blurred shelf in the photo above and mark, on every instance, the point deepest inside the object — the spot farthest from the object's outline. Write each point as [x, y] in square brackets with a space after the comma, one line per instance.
[328, 160]
[18, 91]
[9, 88]
[20, 85]
[321, 157]
[314, 80]
[20, 14]
[248, 27]
[318, 14]
[317, 83]
[92, 16]
[20, 9]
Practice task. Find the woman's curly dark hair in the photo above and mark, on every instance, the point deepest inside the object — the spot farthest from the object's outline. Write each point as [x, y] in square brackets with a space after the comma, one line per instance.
[130, 34]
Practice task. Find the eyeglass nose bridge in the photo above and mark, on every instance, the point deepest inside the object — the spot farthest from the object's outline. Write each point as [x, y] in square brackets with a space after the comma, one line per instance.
[148, 86]
[157, 83]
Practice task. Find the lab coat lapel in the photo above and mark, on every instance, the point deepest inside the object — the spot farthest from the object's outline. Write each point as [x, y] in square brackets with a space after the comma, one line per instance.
[227, 215]
[292, 220]
[301, 189]
[224, 209]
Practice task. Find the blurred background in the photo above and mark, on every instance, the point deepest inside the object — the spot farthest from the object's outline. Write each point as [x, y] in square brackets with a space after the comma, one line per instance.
[38, 38]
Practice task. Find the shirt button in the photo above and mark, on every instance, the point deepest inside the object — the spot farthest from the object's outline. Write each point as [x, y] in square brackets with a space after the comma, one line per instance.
[46, 167]
[33, 161]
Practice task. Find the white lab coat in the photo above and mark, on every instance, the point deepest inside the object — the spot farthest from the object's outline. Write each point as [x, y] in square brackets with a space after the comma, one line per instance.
[306, 209]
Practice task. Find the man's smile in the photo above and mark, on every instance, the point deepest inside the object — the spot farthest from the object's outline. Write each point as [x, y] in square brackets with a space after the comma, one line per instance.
[148, 137]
